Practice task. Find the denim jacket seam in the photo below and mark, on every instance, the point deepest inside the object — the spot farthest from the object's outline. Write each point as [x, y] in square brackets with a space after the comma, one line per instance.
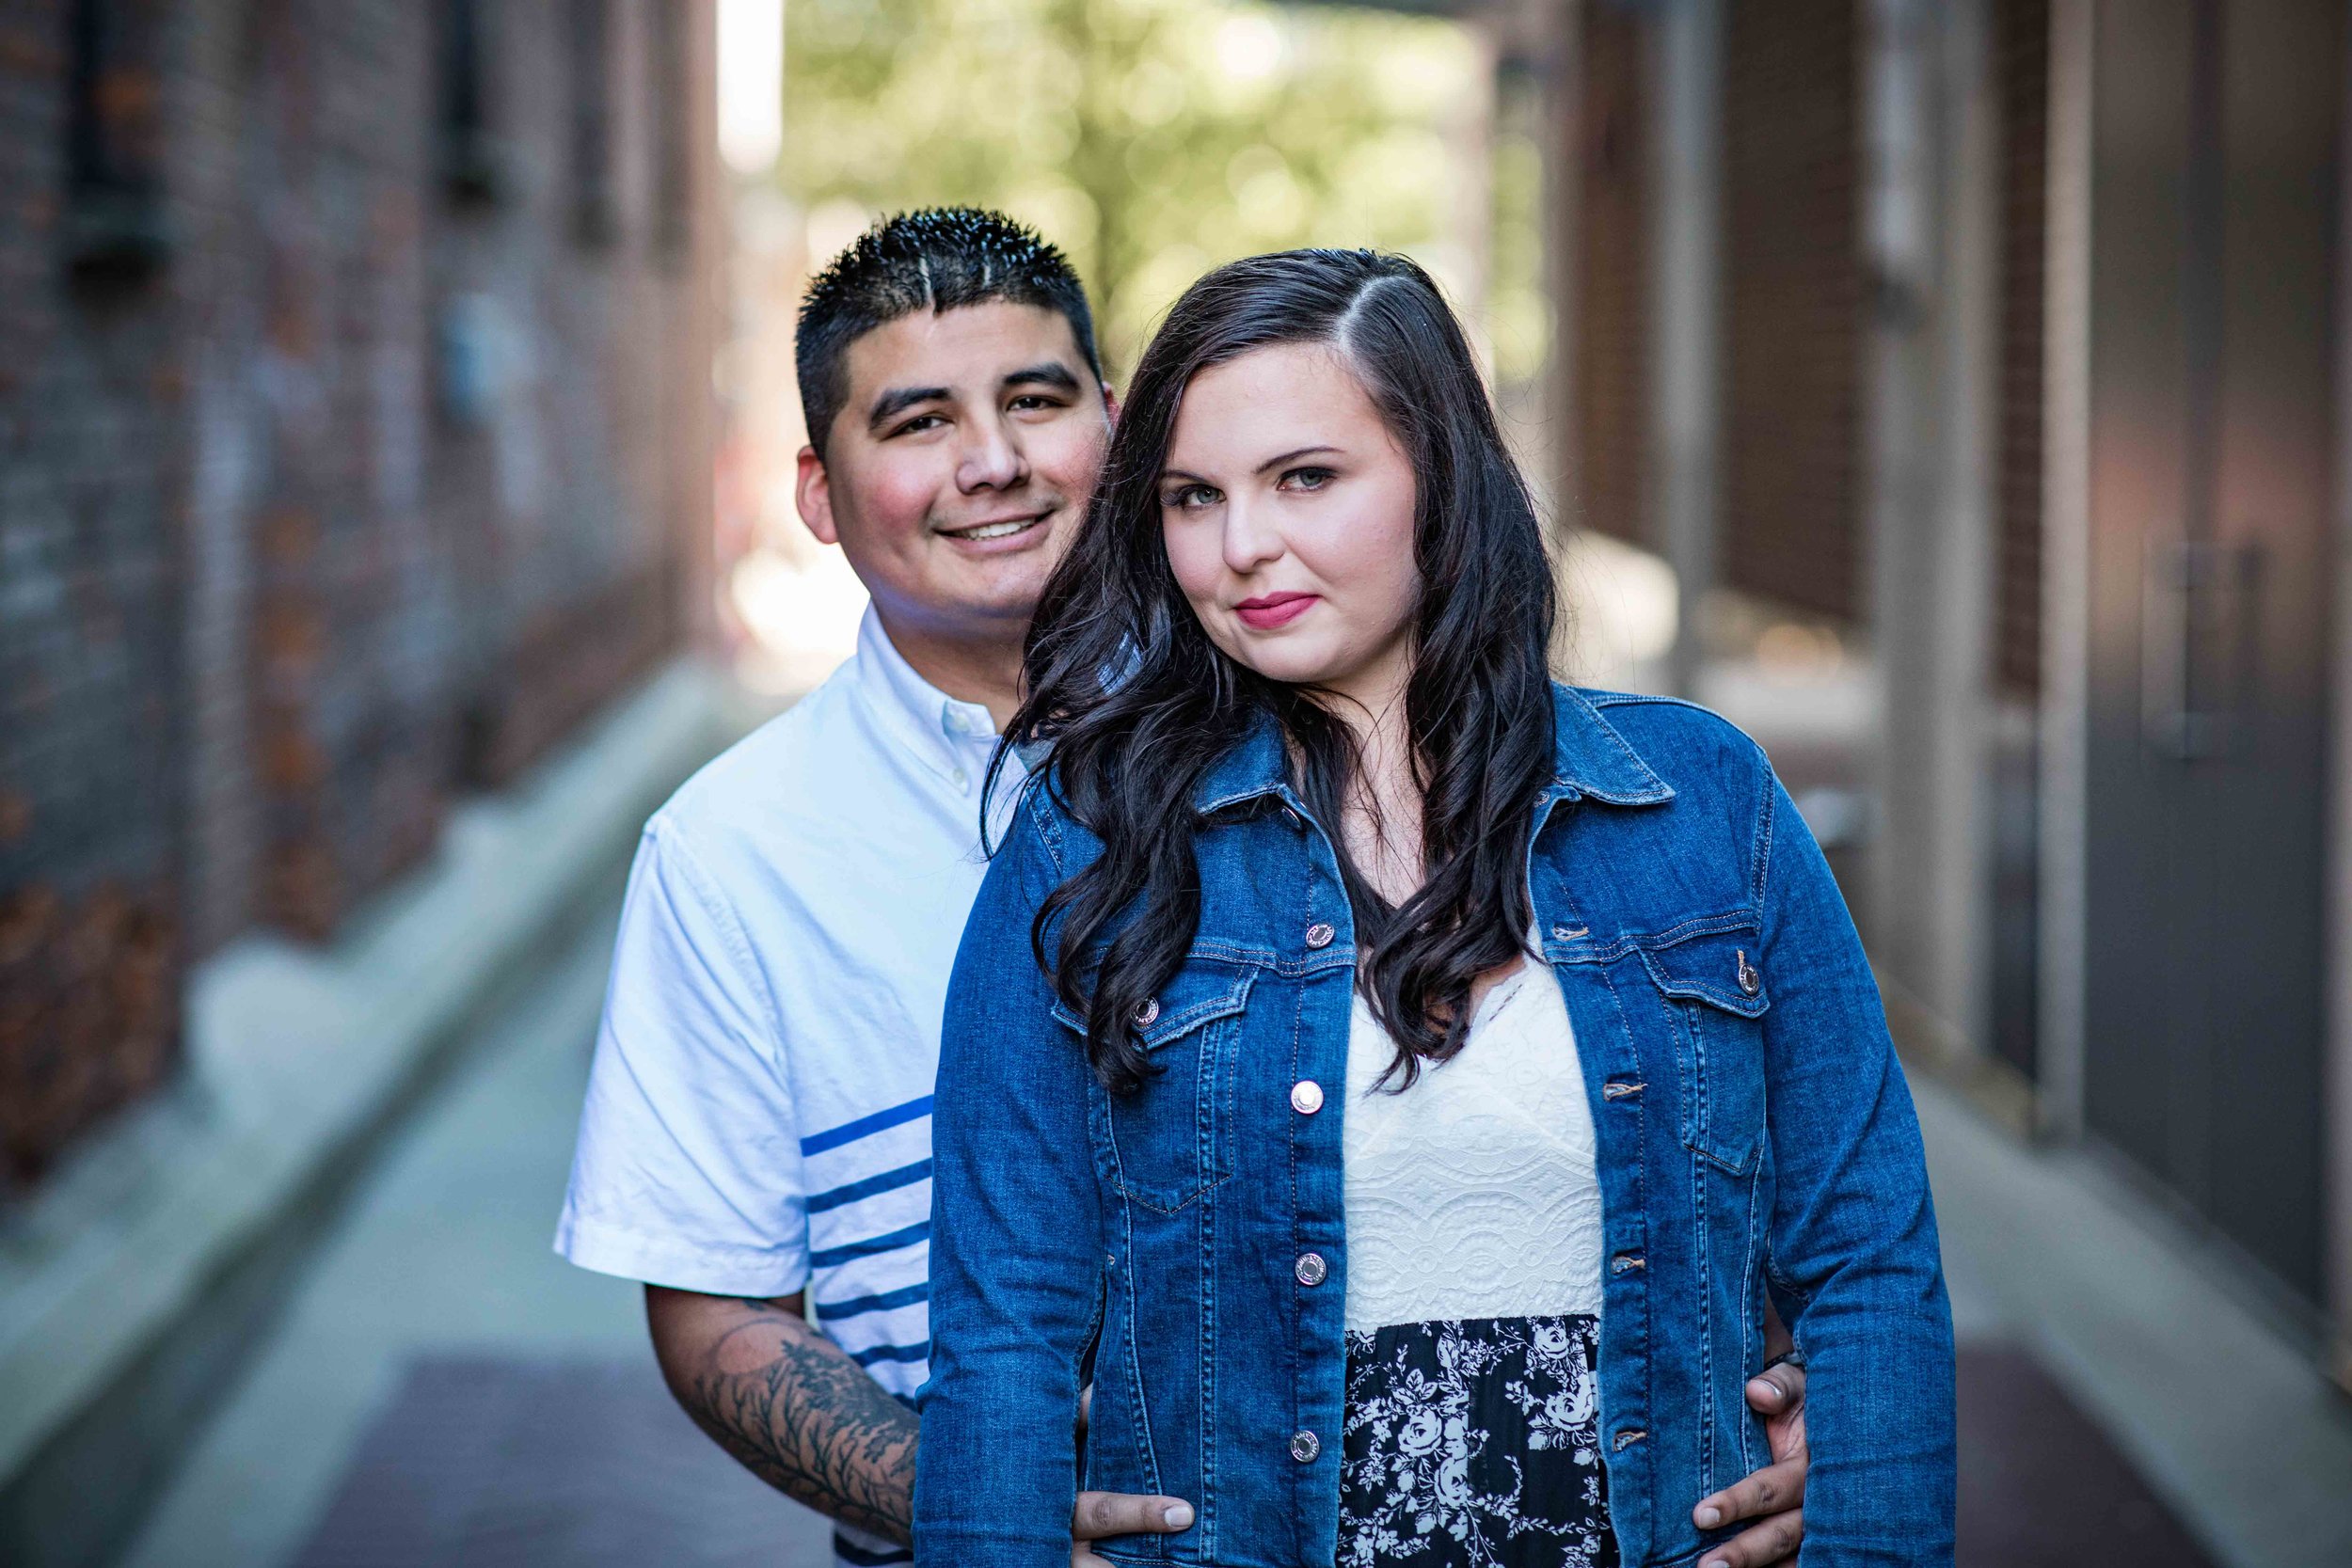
[1045, 821]
[1747, 1296]
[1638, 1170]
[1766, 824]
[1139, 1414]
[1675, 935]
[1703, 1306]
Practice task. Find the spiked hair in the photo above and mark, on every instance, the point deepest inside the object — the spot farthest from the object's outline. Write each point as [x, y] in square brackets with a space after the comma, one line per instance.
[934, 259]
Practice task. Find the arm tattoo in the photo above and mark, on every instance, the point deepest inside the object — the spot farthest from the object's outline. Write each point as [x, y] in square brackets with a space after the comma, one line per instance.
[799, 1414]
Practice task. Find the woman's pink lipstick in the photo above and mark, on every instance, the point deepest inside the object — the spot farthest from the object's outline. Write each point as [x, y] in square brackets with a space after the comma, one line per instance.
[1270, 610]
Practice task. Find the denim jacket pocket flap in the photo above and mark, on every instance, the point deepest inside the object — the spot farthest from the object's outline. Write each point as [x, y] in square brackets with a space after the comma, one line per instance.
[1719, 969]
[1199, 994]
[1714, 992]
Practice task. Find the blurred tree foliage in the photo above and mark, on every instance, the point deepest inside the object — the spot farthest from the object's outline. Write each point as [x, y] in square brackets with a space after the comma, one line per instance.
[1150, 138]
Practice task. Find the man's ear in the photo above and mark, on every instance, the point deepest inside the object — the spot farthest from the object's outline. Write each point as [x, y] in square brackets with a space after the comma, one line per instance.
[813, 493]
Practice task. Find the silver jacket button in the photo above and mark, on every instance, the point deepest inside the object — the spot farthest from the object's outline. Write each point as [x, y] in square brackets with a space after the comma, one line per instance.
[1311, 1268]
[1320, 935]
[1148, 1013]
[1305, 1445]
[1750, 981]
[1306, 1097]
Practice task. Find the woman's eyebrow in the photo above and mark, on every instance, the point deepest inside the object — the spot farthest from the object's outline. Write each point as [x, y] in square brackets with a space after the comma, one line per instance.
[1291, 456]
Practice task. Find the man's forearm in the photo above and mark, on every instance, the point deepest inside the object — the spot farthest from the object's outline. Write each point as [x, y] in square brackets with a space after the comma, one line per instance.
[790, 1405]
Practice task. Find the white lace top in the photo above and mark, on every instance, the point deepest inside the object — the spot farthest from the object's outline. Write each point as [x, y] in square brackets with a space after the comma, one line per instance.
[1473, 1194]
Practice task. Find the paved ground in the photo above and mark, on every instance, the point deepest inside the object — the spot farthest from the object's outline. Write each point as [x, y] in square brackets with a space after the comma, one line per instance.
[445, 1254]
[443, 1390]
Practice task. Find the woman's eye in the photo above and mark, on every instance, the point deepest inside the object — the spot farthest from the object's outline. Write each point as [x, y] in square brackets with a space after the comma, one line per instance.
[1189, 497]
[1306, 479]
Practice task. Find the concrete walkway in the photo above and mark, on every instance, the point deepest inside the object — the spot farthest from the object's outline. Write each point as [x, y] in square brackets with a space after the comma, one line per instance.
[2220, 1410]
[445, 1253]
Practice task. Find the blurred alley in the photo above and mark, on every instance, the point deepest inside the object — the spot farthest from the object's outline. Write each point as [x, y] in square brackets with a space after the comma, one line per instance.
[398, 435]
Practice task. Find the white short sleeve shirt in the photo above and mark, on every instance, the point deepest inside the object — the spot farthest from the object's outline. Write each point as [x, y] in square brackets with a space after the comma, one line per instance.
[758, 1114]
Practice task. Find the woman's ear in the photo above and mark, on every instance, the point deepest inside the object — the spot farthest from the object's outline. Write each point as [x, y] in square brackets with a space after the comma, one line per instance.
[1110, 404]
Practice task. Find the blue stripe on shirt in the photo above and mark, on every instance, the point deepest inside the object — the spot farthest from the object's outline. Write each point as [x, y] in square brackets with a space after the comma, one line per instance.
[905, 1176]
[834, 1311]
[872, 1245]
[891, 1353]
[850, 1131]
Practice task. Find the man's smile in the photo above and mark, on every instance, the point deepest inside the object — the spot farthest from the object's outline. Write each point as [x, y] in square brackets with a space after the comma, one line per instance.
[995, 529]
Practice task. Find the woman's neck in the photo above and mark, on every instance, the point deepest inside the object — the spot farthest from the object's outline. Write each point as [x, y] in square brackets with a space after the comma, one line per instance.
[1381, 815]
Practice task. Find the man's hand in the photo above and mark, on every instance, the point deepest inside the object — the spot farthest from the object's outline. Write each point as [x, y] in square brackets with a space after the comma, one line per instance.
[1100, 1515]
[1774, 1496]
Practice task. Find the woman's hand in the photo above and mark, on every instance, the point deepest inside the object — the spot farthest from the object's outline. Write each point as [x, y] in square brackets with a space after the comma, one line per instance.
[1774, 1496]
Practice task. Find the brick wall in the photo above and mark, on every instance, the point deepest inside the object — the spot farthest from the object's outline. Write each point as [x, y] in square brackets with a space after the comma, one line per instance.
[359, 472]
[1609, 387]
[2021, 43]
[91, 747]
[1794, 301]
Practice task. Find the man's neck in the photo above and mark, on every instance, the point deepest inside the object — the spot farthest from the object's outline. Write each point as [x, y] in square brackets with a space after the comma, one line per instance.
[971, 668]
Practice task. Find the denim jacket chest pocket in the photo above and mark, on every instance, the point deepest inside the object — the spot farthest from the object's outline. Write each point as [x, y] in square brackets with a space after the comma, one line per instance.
[1714, 997]
[1170, 1141]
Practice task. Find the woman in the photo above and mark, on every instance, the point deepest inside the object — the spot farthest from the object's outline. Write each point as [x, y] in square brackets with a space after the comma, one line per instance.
[1396, 1080]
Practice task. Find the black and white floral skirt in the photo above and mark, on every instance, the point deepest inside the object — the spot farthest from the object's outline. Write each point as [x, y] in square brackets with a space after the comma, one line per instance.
[1474, 1444]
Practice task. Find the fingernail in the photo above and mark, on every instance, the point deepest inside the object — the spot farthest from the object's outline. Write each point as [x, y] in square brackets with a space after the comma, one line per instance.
[1709, 1519]
[1179, 1515]
[1764, 1387]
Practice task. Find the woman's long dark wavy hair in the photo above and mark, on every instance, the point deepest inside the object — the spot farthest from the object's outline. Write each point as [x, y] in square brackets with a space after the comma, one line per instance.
[1134, 704]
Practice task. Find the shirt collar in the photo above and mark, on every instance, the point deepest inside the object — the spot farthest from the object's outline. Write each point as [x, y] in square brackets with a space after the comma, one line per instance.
[1590, 759]
[945, 735]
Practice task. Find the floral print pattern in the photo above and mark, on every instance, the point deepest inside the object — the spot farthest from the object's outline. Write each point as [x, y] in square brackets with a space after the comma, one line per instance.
[1474, 1444]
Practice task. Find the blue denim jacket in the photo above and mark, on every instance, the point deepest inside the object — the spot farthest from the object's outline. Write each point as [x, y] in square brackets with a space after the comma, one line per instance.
[1755, 1133]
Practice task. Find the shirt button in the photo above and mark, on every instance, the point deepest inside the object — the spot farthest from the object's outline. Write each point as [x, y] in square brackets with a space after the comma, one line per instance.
[1305, 1445]
[1320, 935]
[963, 779]
[1306, 1097]
[1298, 823]
[1148, 1013]
[1311, 1268]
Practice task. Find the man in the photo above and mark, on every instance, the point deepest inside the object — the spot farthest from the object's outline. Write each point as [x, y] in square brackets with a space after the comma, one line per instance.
[756, 1133]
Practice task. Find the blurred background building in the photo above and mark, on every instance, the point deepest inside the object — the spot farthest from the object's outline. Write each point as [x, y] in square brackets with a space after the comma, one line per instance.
[398, 430]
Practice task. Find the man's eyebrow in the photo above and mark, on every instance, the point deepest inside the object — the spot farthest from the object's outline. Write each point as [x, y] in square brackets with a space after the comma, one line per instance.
[1050, 372]
[899, 399]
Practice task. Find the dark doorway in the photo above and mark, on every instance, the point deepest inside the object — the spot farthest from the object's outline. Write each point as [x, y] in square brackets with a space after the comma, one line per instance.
[2212, 223]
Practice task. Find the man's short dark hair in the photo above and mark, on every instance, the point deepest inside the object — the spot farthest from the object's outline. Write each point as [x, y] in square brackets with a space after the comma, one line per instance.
[934, 259]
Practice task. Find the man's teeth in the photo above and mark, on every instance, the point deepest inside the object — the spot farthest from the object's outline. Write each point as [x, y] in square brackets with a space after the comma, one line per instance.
[993, 531]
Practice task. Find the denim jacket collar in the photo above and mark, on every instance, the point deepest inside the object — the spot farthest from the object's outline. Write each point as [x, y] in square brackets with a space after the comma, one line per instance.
[1590, 760]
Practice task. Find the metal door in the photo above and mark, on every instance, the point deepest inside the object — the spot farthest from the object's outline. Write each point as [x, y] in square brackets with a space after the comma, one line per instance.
[2213, 224]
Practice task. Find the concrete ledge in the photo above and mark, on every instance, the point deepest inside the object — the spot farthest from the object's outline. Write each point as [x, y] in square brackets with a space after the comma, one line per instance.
[131, 1282]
